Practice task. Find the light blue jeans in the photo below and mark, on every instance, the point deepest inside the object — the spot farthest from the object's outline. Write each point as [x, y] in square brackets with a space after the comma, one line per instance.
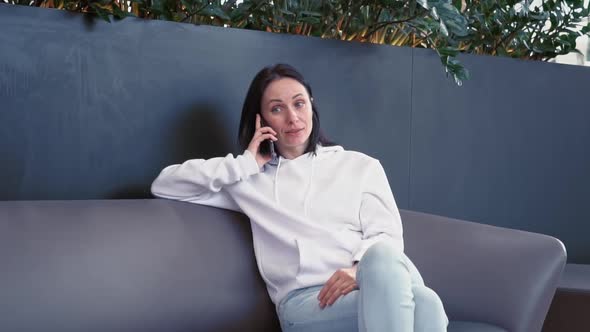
[391, 297]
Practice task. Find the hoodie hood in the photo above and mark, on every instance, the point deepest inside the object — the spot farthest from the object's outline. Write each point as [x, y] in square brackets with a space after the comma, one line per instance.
[277, 160]
[319, 151]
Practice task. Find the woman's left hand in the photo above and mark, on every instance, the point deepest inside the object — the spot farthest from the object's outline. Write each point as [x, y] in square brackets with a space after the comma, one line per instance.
[340, 283]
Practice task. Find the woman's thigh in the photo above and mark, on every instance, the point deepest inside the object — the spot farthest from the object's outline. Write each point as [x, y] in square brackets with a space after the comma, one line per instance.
[300, 311]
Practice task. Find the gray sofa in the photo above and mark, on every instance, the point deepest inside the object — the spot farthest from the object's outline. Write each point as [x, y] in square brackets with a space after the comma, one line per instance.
[158, 265]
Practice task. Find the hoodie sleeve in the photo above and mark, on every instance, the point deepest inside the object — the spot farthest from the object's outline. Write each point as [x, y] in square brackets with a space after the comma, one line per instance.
[201, 181]
[379, 217]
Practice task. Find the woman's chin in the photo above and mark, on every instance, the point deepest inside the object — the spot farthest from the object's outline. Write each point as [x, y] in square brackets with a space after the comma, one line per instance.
[294, 144]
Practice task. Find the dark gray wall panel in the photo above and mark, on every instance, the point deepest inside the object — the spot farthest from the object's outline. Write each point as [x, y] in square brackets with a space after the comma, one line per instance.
[95, 110]
[508, 148]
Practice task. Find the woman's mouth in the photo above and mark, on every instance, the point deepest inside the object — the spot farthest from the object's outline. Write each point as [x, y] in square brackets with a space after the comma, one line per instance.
[294, 132]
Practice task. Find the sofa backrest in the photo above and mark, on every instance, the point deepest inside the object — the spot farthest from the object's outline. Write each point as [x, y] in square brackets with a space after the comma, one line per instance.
[128, 266]
[162, 265]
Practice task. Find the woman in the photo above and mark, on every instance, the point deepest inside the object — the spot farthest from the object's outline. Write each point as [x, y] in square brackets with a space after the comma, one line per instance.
[327, 232]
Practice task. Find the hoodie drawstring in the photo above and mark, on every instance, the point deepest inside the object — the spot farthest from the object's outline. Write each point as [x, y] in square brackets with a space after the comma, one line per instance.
[275, 183]
[307, 191]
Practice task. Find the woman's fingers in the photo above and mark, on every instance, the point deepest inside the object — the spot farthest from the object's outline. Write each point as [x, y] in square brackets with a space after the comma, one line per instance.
[349, 289]
[264, 130]
[342, 289]
[327, 287]
[264, 137]
[260, 134]
[259, 126]
[339, 284]
[335, 293]
[257, 122]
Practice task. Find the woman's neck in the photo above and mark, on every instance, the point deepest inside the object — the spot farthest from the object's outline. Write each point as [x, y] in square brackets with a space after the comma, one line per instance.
[291, 153]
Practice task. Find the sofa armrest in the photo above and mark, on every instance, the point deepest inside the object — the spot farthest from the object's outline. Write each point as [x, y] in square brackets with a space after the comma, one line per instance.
[485, 273]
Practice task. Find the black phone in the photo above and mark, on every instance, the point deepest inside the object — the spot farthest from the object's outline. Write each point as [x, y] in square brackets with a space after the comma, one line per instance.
[267, 147]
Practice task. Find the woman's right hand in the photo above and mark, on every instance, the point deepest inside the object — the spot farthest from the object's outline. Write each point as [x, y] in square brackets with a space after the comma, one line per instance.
[260, 135]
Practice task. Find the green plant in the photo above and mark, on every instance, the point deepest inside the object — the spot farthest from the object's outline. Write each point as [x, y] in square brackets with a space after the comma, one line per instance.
[422, 23]
[497, 27]
[418, 23]
[524, 29]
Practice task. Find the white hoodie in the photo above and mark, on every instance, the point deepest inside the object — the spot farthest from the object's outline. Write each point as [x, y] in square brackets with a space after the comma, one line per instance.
[310, 216]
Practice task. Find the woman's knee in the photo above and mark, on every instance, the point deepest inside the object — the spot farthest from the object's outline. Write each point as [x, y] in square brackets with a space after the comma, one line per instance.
[383, 260]
[429, 308]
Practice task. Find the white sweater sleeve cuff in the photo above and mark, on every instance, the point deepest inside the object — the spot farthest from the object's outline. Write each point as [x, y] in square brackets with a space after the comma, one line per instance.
[248, 164]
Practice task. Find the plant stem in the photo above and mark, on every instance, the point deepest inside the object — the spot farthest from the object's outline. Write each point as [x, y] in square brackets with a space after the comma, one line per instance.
[190, 14]
[384, 24]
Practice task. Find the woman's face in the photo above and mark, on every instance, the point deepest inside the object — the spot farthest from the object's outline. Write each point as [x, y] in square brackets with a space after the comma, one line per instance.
[286, 108]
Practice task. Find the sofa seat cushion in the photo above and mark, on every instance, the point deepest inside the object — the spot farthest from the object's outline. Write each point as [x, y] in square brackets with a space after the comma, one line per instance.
[462, 326]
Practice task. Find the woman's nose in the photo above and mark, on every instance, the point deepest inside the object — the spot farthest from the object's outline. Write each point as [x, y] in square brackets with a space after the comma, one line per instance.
[292, 115]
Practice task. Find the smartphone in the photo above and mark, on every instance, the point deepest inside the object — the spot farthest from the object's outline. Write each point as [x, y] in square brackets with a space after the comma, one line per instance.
[267, 147]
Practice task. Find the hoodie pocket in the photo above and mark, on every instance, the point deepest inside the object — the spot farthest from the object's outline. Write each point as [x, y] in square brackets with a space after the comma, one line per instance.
[320, 257]
[277, 261]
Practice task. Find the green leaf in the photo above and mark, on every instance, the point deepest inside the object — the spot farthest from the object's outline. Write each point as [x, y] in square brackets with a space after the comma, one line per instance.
[237, 14]
[412, 7]
[118, 12]
[287, 12]
[457, 28]
[188, 4]
[103, 14]
[310, 13]
[280, 19]
[423, 3]
[443, 29]
[448, 51]
[553, 20]
[540, 17]
[309, 19]
[266, 22]
[216, 11]
[454, 21]
[455, 69]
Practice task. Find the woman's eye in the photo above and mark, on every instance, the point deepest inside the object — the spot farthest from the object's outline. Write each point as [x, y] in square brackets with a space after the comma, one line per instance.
[275, 109]
[299, 104]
